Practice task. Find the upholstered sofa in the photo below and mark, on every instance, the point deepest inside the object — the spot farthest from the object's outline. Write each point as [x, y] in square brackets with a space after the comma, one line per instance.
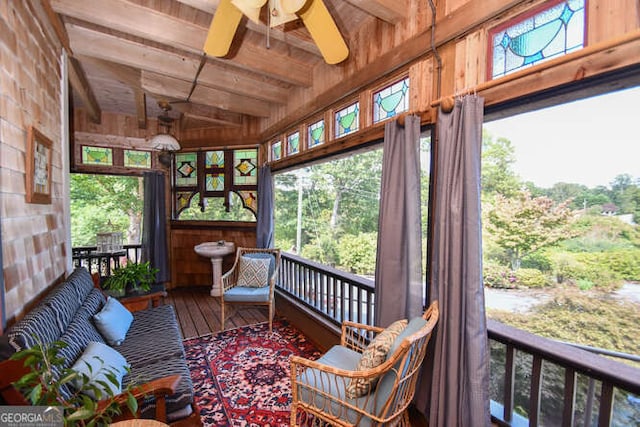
[152, 345]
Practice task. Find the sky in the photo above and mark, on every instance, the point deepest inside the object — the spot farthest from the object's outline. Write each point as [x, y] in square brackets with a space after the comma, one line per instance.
[588, 142]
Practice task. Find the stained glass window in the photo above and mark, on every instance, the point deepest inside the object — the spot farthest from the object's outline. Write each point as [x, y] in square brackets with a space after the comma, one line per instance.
[98, 156]
[249, 200]
[293, 143]
[347, 120]
[316, 134]
[186, 169]
[245, 171]
[214, 159]
[391, 100]
[276, 150]
[183, 199]
[556, 30]
[137, 159]
[214, 182]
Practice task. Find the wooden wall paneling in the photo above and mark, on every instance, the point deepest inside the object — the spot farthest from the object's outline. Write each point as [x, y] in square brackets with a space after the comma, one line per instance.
[189, 268]
[611, 18]
[421, 76]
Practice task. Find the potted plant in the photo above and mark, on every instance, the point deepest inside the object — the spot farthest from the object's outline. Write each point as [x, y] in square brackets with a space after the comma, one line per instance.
[131, 278]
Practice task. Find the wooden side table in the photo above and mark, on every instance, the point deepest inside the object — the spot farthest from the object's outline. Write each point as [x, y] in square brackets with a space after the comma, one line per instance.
[144, 300]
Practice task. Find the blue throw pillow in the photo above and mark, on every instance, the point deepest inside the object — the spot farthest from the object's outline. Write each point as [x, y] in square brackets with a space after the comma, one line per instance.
[113, 321]
[96, 362]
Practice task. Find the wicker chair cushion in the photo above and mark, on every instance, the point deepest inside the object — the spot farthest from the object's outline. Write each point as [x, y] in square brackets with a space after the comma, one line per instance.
[247, 294]
[374, 355]
[341, 358]
[253, 272]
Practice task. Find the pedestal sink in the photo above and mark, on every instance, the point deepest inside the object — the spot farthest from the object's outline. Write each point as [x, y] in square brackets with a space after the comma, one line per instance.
[215, 251]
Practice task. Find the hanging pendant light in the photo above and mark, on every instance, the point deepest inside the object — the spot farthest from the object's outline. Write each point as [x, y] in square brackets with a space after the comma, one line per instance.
[164, 141]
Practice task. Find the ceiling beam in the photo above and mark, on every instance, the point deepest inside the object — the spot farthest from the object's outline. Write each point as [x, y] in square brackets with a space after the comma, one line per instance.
[147, 23]
[210, 115]
[141, 107]
[80, 84]
[390, 11]
[179, 89]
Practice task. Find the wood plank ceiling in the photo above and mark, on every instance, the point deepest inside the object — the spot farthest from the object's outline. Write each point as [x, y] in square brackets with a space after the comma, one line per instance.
[138, 52]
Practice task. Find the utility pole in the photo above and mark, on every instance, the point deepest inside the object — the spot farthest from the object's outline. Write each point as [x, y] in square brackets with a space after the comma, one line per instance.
[299, 223]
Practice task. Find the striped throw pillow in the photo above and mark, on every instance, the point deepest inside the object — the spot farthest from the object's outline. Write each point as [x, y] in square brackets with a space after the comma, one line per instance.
[373, 356]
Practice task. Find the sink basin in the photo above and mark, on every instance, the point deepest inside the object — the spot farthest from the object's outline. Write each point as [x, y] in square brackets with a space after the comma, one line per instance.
[214, 249]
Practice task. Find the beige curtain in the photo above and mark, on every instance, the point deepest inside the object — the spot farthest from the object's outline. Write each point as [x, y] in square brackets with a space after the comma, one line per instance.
[458, 360]
[399, 259]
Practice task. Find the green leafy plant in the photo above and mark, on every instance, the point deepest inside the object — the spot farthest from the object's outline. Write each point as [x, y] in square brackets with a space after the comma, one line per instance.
[46, 378]
[138, 276]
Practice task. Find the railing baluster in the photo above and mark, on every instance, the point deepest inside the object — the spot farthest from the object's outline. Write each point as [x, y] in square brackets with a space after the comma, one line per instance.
[536, 388]
[606, 405]
[509, 383]
[570, 377]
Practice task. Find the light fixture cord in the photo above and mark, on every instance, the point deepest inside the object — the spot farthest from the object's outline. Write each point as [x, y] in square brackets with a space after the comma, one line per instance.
[269, 25]
[433, 48]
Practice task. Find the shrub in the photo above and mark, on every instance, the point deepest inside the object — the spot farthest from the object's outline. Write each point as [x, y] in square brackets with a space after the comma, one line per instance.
[498, 276]
[358, 253]
[538, 260]
[531, 278]
[565, 266]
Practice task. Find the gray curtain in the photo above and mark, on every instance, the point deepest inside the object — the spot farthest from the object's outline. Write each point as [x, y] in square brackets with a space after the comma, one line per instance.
[154, 232]
[264, 226]
[459, 356]
[399, 259]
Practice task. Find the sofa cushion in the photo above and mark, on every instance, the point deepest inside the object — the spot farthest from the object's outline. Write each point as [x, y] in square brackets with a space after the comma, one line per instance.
[39, 325]
[162, 368]
[144, 345]
[96, 362]
[64, 301]
[247, 294]
[113, 321]
[373, 356]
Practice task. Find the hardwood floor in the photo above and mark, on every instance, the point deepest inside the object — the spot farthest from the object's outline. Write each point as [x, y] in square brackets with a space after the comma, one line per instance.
[199, 313]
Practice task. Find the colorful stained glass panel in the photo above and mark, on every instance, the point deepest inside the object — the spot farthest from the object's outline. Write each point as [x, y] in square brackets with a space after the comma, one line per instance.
[316, 134]
[97, 156]
[245, 170]
[347, 120]
[293, 143]
[137, 159]
[250, 200]
[522, 42]
[214, 159]
[276, 150]
[214, 182]
[186, 169]
[391, 100]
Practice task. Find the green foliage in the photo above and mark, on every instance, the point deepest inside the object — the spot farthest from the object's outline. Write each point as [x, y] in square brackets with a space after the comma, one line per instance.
[623, 264]
[323, 250]
[358, 253]
[498, 158]
[585, 267]
[522, 225]
[538, 260]
[498, 276]
[215, 210]
[530, 278]
[601, 233]
[138, 276]
[42, 386]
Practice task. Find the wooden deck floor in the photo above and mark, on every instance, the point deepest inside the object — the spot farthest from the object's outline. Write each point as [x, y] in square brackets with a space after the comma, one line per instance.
[199, 313]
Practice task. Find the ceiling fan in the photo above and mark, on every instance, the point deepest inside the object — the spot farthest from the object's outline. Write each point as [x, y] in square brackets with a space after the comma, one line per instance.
[314, 14]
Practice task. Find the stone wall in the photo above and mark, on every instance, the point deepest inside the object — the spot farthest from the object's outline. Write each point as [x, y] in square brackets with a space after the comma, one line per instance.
[33, 235]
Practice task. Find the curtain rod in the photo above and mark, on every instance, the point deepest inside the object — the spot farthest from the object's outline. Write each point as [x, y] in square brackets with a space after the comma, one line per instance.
[589, 50]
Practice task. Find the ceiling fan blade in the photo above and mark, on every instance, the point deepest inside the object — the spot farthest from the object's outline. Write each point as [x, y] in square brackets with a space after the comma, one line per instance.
[251, 8]
[324, 31]
[223, 27]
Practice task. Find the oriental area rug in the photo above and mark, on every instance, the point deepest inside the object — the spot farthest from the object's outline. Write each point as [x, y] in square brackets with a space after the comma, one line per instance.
[241, 376]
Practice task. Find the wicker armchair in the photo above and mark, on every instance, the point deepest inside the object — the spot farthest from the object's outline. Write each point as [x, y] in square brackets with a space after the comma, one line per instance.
[232, 294]
[320, 387]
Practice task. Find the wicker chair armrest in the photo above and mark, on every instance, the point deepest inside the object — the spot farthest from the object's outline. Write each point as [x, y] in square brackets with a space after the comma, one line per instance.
[159, 388]
[357, 336]
[229, 280]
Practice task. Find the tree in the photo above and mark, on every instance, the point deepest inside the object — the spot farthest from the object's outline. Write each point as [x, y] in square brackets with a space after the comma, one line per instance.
[522, 225]
[498, 158]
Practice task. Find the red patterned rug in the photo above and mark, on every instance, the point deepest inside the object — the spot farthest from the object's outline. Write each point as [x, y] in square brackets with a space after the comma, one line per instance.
[241, 376]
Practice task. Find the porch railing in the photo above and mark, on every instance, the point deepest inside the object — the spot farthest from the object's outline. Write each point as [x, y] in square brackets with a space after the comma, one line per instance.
[331, 293]
[534, 381]
[104, 262]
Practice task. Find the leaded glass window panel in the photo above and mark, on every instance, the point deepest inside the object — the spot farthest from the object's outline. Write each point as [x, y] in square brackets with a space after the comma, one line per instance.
[391, 100]
[137, 159]
[347, 120]
[97, 156]
[316, 134]
[276, 150]
[214, 159]
[293, 143]
[186, 169]
[214, 182]
[556, 30]
[249, 200]
[245, 170]
[215, 210]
